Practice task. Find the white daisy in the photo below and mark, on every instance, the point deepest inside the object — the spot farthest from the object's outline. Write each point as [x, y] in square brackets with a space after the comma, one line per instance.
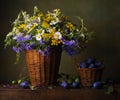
[38, 37]
[57, 35]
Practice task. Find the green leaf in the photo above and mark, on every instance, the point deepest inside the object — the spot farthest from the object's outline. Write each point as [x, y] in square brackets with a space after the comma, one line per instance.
[36, 10]
[17, 58]
[70, 35]
[109, 90]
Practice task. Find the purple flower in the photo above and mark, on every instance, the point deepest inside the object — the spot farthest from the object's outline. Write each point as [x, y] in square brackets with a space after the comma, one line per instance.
[24, 38]
[17, 49]
[42, 42]
[35, 21]
[27, 37]
[70, 43]
[20, 38]
[23, 45]
[41, 52]
[45, 52]
[29, 46]
[70, 50]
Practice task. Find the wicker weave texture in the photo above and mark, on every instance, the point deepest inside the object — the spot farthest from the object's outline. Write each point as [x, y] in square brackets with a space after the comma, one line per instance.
[90, 75]
[43, 70]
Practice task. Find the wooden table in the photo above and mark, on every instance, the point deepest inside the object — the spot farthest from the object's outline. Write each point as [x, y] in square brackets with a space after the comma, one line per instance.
[58, 93]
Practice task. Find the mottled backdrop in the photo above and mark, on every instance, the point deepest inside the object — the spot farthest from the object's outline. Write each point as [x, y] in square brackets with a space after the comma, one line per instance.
[101, 16]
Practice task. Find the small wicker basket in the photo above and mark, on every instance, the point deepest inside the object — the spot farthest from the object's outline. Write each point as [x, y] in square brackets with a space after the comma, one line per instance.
[90, 75]
[43, 70]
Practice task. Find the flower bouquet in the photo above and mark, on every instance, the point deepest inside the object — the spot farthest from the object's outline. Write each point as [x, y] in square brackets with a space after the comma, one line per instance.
[45, 33]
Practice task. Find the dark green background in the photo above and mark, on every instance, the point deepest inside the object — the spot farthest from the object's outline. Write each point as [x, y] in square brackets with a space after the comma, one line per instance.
[101, 16]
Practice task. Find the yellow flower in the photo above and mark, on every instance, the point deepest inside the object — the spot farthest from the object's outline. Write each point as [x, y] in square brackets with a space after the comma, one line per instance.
[70, 26]
[49, 17]
[47, 35]
[57, 11]
[23, 26]
[39, 31]
[40, 14]
[52, 31]
[45, 25]
[63, 17]
[56, 42]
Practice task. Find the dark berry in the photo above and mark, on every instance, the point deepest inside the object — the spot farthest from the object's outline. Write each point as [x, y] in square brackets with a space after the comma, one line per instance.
[75, 84]
[90, 60]
[83, 65]
[97, 85]
[64, 84]
[92, 66]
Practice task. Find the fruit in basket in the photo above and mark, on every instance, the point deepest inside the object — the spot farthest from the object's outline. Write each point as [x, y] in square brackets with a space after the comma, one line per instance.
[83, 65]
[90, 60]
[98, 63]
[91, 63]
[92, 66]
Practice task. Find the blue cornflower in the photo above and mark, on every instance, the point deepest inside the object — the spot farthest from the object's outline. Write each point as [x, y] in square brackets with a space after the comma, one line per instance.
[42, 42]
[45, 52]
[70, 43]
[20, 38]
[23, 45]
[27, 37]
[41, 52]
[29, 46]
[17, 49]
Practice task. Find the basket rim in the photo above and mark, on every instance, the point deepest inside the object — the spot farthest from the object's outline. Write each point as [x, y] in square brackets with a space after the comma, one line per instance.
[91, 68]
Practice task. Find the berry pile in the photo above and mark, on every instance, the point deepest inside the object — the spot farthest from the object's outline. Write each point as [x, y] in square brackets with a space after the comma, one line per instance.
[67, 81]
[91, 63]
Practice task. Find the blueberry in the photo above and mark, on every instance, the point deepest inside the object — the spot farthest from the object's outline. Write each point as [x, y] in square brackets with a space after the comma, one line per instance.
[24, 84]
[83, 65]
[92, 66]
[64, 84]
[90, 60]
[97, 85]
[98, 63]
[74, 84]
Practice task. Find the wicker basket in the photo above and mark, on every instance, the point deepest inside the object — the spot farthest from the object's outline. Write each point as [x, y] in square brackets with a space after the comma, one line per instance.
[90, 75]
[43, 70]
